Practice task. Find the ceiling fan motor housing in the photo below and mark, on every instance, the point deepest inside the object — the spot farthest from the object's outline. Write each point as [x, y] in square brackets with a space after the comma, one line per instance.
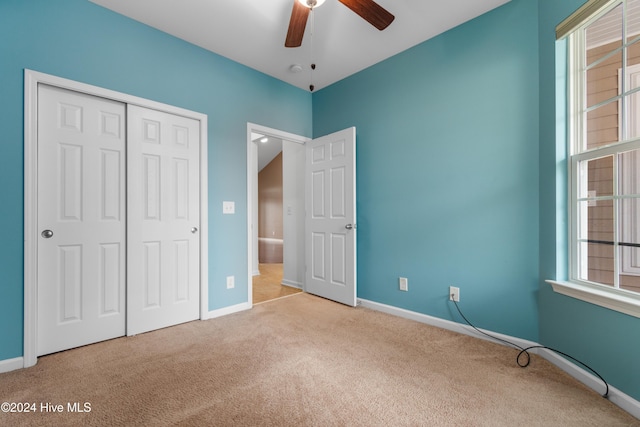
[311, 3]
[368, 10]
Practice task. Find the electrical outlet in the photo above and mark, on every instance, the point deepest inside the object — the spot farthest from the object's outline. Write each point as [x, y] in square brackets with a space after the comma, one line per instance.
[228, 208]
[404, 283]
[454, 294]
[231, 282]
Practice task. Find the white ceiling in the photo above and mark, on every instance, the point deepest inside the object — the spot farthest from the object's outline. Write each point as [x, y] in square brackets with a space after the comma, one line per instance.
[252, 32]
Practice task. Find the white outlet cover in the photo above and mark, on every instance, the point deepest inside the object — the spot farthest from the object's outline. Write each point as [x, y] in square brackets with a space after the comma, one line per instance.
[231, 282]
[228, 208]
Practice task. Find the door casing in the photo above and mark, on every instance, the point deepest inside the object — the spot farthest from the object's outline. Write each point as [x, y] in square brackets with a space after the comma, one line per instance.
[32, 79]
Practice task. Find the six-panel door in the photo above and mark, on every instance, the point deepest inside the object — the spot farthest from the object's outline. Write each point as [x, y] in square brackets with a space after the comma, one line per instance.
[163, 220]
[118, 213]
[330, 230]
[81, 219]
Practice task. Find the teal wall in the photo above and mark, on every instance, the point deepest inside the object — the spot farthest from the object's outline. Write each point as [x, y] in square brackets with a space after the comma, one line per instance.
[606, 340]
[447, 171]
[78, 40]
[462, 181]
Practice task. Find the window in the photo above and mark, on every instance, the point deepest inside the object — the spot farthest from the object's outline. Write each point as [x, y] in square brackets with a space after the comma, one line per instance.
[604, 153]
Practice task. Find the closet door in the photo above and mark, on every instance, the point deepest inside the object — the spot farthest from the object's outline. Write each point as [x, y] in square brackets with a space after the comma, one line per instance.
[81, 219]
[163, 220]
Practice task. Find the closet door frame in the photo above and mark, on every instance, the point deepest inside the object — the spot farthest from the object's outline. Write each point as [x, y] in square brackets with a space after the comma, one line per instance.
[31, 81]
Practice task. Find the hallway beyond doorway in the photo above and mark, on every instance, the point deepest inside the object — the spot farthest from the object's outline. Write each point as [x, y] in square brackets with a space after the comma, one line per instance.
[268, 284]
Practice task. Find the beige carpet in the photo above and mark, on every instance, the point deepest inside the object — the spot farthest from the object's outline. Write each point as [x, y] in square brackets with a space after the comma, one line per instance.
[268, 284]
[303, 361]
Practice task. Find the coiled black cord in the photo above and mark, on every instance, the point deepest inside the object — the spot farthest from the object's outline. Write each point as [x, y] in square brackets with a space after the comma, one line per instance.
[526, 351]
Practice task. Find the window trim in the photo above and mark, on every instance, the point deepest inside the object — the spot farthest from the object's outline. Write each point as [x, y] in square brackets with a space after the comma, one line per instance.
[579, 17]
[615, 299]
[620, 300]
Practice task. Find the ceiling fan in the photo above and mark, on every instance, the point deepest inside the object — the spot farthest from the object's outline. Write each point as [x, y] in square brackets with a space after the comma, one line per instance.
[369, 10]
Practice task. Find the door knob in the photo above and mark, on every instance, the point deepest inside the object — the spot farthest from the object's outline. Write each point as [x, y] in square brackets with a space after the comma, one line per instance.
[194, 230]
[47, 234]
[350, 226]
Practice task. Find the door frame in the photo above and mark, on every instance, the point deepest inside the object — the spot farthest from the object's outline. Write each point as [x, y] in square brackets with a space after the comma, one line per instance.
[252, 192]
[31, 81]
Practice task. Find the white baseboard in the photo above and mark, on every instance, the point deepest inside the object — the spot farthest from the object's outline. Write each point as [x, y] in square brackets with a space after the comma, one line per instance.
[616, 396]
[11, 364]
[228, 310]
[444, 324]
[291, 283]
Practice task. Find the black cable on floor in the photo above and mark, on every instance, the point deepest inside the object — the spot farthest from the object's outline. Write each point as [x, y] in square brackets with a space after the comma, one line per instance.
[526, 351]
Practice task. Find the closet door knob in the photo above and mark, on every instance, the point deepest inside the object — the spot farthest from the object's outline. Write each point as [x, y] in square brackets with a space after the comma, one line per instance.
[194, 230]
[47, 234]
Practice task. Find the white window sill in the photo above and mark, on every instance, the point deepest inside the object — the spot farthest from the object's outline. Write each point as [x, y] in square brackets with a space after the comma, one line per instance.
[614, 299]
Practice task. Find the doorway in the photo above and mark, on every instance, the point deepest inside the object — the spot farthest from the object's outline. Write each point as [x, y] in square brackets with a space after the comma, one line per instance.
[321, 212]
[270, 282]
[34, 239]
[284, 153]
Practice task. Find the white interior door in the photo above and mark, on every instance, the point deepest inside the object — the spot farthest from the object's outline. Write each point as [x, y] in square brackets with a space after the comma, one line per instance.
[163, 220]
[81, 218]
[330, 229]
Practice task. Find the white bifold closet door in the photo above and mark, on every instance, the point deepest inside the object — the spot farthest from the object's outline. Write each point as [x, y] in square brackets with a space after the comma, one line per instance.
[118, 213]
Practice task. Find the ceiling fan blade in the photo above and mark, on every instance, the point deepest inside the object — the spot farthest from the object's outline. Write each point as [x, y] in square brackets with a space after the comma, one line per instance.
[297, 24]
[371, 12]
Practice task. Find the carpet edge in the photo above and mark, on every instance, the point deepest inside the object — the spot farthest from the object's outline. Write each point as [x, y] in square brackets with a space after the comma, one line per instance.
[617, 397]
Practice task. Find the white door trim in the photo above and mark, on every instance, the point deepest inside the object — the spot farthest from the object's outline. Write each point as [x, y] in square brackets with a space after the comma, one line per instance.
[252, 190]
[31, 81]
